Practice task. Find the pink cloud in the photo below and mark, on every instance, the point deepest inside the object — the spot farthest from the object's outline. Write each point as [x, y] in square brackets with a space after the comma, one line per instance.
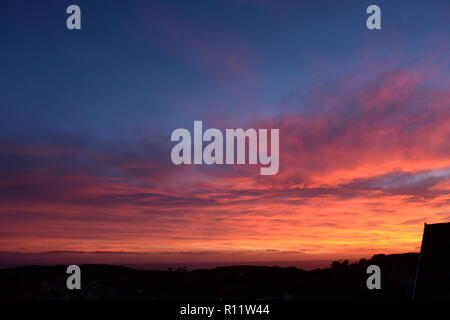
[358, 169]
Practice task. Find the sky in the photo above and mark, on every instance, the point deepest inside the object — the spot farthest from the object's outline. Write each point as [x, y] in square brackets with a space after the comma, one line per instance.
[86, 118]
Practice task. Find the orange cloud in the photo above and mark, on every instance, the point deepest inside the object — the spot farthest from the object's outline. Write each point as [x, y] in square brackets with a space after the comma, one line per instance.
[361, 170]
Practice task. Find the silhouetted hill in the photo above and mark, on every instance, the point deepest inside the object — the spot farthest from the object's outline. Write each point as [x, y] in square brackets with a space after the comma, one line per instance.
[341, 281]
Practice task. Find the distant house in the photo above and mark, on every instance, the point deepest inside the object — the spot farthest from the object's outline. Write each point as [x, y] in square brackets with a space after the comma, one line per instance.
[433, 269]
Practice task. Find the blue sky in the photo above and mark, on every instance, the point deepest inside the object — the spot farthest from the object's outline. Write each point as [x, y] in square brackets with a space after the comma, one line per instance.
[124, 71]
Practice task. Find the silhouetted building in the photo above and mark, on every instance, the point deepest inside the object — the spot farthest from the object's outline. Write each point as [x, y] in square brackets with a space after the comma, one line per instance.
[433, 269]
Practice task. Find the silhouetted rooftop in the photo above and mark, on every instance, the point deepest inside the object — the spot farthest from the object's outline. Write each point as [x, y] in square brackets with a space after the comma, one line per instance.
[433, 271]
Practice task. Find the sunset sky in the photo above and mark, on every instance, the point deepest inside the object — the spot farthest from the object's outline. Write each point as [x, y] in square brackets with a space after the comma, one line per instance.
[86, 118]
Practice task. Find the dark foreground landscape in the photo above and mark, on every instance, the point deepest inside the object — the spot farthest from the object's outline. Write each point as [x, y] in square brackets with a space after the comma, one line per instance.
[341, 281]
